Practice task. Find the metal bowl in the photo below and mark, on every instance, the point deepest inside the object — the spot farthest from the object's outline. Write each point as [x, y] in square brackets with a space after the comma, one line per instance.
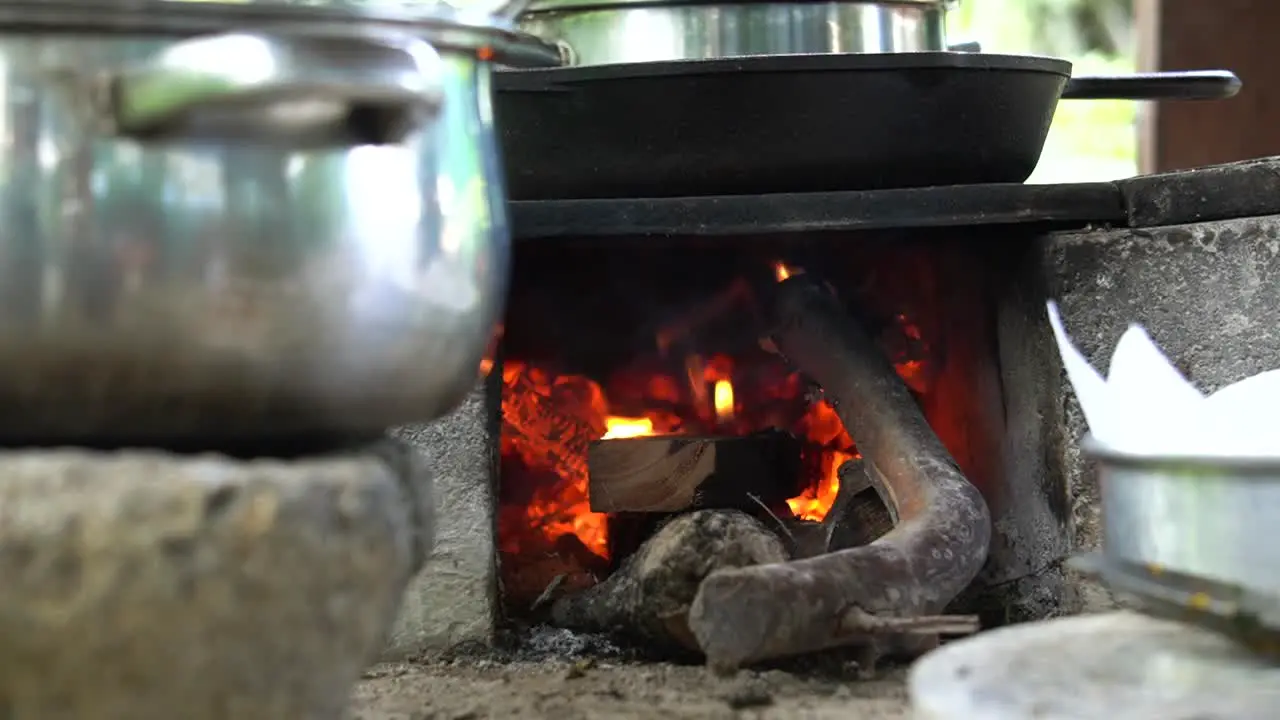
[1253, 619]
[600, 32]
[1211, 518]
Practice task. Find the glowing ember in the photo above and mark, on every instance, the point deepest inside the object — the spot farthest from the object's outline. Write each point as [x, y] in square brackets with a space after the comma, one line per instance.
[723, 398]
[621, 427]
[548, 424]
[782, 272]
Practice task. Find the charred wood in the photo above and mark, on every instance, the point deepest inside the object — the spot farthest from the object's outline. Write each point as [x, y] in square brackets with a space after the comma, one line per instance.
[568, 559]
[804, 538]
[862, 521]
[648, 597]
[859, 515]
[628, 531]
[724, 307]
[669, 474]
[873, 594]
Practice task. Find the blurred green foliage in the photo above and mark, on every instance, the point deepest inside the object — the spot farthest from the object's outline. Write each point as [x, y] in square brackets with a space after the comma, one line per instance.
[1090, 139]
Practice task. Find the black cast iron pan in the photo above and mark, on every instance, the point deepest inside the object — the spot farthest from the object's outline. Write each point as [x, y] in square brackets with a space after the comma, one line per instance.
[796, 123]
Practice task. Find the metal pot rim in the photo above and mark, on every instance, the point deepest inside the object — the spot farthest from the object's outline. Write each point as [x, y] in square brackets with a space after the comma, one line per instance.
[1233, 464]
[557, 5]
[447, 29]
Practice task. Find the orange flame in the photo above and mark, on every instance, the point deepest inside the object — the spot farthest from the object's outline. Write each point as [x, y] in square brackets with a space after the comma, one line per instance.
[723, 399]
[782, 271]
[622, 427]
[822, 425]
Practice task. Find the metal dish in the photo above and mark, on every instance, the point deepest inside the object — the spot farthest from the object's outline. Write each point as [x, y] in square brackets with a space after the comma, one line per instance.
[295, 231]
[1201, 517]
[1250, 618]
[601, 32]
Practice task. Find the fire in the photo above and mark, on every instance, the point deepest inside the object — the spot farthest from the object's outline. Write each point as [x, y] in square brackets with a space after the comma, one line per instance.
[723, 399]
[622, 427]
[822, 425]
[781, 271]
[549, 421]
[547, 439]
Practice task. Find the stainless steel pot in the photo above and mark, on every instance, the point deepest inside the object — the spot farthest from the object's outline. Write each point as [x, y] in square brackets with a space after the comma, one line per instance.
[599, 32]
[1200, 518]
[295, 231]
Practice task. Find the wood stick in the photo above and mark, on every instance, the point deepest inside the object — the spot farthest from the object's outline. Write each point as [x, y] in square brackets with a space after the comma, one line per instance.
[859, 515]
[673, 473]
[648, 597]
[744, 615]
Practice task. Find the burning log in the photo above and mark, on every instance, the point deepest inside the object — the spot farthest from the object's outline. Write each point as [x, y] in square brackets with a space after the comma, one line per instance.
[524, 579]
[650, 594]
[669, 474]
[804, 538]
[863, 595]
[857, 517]
[720, 307]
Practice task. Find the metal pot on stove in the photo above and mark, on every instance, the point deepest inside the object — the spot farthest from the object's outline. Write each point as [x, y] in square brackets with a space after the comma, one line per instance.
[294, 231]
[599, 32]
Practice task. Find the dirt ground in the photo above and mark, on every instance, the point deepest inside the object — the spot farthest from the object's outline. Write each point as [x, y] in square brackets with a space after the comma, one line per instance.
[568, 689]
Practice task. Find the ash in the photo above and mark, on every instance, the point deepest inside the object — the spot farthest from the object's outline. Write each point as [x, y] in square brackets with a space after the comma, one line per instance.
[543, 642]
[545, 645]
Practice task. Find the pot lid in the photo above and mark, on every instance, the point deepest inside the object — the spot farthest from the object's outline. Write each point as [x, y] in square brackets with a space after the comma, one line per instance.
[485, 25]
[553, 5]
[500, 8]
[478, 13]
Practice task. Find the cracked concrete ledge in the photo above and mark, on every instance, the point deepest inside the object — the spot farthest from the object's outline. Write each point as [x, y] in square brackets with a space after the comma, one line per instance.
[453, 599]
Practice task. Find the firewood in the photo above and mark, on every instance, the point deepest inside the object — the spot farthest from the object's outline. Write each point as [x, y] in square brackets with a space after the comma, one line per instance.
[648, 597]
[804, 538]
[725, 307]
[673, 473]
[859, 515]
[747, 614]
[524, 578]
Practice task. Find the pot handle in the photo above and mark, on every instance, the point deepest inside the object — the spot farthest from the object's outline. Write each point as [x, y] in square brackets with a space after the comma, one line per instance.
[295, 91]
[1188, 85]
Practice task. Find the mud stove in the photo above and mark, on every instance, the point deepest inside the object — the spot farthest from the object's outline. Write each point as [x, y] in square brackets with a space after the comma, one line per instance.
[832, 366]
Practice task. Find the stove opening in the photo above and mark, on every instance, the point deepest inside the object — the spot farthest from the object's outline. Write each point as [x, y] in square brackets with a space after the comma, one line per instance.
[639, 384]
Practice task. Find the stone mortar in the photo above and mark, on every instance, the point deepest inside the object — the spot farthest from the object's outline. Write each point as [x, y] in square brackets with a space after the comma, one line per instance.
[140, 585]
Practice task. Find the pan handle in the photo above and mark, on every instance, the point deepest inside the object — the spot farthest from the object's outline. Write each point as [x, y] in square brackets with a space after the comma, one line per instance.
[1181, 85]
